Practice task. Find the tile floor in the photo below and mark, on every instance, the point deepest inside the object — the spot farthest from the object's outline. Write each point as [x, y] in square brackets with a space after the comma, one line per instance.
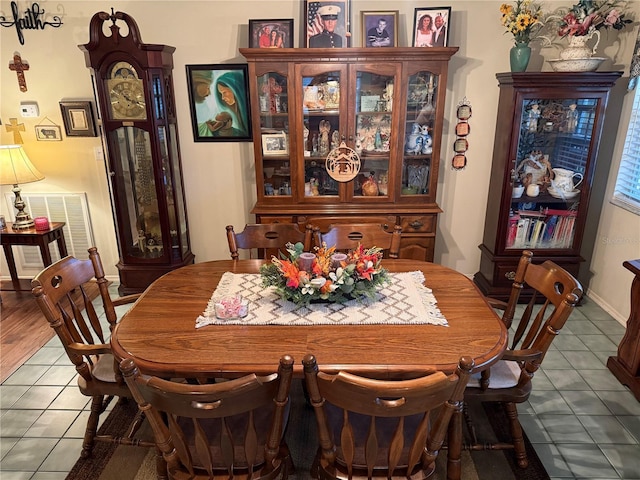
[581, 421]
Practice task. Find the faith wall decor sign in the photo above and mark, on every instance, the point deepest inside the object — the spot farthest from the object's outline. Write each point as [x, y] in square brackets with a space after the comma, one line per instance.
[33, 19]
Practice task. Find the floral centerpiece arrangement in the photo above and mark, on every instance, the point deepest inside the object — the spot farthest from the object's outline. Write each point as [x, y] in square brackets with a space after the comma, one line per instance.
[327, 275]
[588, 15]
[523, 21]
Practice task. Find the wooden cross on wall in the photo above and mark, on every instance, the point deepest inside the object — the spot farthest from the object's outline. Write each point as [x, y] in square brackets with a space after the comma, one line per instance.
[19, 67]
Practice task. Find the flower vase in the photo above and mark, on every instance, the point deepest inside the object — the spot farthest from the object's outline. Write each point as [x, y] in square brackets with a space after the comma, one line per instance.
[519, 56]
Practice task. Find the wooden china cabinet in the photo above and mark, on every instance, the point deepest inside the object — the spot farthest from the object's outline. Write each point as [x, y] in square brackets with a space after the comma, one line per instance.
[546, 144]
[350, 135]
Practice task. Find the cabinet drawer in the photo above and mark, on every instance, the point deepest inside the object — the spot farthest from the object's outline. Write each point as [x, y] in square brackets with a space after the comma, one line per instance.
[505, 273]
[418, 223]
[265, 219]
[323, 222]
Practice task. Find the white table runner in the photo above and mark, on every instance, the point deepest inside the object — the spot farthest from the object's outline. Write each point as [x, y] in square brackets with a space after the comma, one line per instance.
[405, 301]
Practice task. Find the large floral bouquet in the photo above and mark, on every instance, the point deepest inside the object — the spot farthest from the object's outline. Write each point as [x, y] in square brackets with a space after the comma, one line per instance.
[326, 275]
[588, 15]
[523, 20]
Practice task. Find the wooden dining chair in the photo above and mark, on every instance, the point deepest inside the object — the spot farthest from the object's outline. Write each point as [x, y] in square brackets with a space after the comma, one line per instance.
[63, 293]
[231, 429]
[508, 382]
[267, 238]
[347, 236]
[381, 428]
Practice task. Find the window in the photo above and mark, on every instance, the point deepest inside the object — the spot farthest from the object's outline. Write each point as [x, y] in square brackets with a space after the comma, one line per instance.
[627, 190]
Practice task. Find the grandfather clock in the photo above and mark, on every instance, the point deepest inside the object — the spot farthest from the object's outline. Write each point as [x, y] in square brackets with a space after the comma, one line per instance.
[134, 87]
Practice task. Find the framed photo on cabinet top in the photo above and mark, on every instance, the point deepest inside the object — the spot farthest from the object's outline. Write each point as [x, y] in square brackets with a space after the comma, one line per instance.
[431, 27]
[327, 23]
[379, 29]
[219, 102]
[271, 33]
[78, 119]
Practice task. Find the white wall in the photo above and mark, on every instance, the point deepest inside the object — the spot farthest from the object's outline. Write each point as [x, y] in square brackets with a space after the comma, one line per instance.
[219, 177]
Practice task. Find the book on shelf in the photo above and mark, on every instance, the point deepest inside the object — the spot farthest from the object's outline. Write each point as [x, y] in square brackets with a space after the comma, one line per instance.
[555, 231]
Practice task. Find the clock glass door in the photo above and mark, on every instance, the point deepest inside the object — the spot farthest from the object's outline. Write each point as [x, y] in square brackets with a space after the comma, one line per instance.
[140, 230]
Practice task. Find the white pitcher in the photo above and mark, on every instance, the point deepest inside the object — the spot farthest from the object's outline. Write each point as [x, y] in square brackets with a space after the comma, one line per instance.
[563, 180]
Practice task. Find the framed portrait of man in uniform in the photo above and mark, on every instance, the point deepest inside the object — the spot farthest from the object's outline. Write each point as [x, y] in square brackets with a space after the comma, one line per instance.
[327, 23]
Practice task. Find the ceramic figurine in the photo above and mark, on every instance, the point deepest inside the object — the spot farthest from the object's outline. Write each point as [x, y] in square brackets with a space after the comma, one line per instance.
[358, 145]
[427, 141]
[414, 144]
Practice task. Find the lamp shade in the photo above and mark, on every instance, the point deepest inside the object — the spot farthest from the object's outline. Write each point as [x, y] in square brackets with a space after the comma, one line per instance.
[15, 166]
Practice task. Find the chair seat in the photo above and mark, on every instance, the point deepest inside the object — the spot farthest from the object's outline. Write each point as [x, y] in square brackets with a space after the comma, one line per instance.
[504, 374]
[103, 380]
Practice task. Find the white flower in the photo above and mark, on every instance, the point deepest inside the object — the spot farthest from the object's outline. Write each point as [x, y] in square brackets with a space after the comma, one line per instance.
[318, 282]
[338, 276]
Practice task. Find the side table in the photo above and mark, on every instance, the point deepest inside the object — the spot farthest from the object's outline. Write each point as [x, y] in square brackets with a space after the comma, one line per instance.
[626, 365]
[31, 236]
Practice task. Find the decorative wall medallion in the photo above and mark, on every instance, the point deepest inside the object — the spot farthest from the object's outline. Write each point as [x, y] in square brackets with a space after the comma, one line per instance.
[343, 163]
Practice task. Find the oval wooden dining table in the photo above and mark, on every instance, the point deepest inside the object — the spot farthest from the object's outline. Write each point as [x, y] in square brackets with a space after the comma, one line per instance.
[159, 333]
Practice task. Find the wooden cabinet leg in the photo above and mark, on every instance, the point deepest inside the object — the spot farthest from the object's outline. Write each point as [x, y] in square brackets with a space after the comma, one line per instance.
[626, 365]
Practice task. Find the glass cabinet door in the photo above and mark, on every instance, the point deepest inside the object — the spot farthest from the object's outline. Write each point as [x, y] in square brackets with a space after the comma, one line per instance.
[548, 172]
[422, 95]
[322, 93]
[273, 98]
[373, 128]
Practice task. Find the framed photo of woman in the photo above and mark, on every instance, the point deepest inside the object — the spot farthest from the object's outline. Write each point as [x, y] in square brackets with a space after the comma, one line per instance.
[431, 27]
[219, 102]
[271, 33]
[380, 29]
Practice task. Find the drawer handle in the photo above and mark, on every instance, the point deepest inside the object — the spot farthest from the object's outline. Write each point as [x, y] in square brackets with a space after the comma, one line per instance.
[416, 224]
[510, 275]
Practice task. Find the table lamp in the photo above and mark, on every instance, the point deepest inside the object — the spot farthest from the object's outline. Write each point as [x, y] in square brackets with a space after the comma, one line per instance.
[15, 168]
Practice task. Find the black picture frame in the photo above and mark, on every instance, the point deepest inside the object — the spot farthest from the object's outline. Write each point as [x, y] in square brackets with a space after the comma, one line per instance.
[313, 24]
[259, 28]
[438, 39]
[213, 118]
[78, 119]
[370, 22]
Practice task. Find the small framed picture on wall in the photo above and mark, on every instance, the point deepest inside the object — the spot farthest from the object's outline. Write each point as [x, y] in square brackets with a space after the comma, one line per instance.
[431, 27]
[327, 23]
[78, 119]
[271, 33]
[379, 29]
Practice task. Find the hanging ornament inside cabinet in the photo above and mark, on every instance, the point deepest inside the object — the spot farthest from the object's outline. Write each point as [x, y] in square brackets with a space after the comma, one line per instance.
[461, 145]
[342, 163]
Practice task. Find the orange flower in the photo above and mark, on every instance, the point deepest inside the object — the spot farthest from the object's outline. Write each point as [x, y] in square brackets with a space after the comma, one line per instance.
[290, 272]
[303, 278]
[326, 288]
[317, 268]
[365, 269]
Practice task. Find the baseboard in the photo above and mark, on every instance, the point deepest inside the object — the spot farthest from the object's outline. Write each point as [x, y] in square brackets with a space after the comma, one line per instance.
[606, 307]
